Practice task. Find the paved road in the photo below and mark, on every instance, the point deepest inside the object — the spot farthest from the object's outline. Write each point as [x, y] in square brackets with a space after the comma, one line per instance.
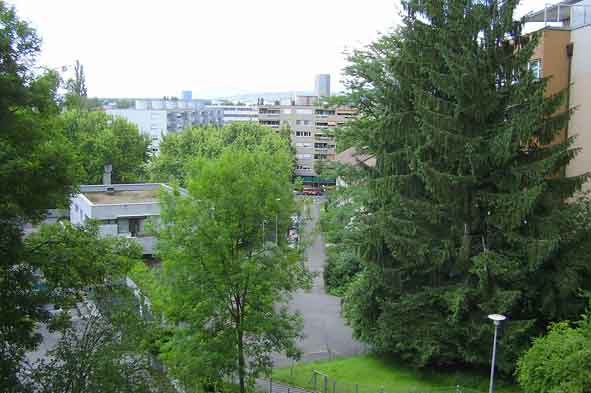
[325, 331]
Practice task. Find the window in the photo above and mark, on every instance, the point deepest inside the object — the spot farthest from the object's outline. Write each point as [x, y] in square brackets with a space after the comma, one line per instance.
[123, 225]
[287, 111]
[303, 144]
[304, 111]
[303, 133]
[535, 67]
[304, 156]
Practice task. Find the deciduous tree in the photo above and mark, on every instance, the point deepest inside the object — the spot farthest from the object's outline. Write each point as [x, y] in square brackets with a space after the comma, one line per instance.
[223, 284]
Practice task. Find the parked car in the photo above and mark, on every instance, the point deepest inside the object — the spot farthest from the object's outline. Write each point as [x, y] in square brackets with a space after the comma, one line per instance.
[312, 191]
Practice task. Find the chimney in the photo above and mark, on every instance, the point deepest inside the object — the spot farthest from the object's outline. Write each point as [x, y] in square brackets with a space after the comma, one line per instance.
[107, 175]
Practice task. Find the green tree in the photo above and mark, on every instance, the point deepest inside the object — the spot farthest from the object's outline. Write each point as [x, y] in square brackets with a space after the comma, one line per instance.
[37, 171]
[178, 149]
[223, 285]
[77, 92]
[560, 361]
[103, 352]
[101, 139]
[467, 212]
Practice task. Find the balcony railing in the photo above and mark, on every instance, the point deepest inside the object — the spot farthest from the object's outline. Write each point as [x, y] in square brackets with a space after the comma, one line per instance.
[568, 16]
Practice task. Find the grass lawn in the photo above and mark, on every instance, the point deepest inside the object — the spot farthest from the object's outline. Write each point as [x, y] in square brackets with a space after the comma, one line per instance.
[371, 373]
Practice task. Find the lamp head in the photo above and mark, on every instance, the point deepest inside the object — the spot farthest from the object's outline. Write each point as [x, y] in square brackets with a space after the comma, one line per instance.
[497, 318]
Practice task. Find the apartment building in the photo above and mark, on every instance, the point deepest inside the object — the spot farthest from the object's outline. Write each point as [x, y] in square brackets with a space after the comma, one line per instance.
[156, 118]
[564, 55]
[312, 131]
[322, 85]
[233, 113]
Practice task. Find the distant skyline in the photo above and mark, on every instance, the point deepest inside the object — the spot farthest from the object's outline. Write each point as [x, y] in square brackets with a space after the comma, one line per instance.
[149, 48]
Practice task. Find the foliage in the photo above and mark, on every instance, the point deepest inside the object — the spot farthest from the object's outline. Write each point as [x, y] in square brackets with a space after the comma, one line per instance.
[560, 361]
[223, 286]
[102, 139]
[467, 212]
[77, 92]
[373, 373]
[101, 353]
[341, 223]
[178, 149]
[37, 171]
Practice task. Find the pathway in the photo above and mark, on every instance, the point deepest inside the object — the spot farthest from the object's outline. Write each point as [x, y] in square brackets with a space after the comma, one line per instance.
[325, 332]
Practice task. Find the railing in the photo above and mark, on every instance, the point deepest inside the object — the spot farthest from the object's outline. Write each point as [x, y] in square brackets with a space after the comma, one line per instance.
[565, 15]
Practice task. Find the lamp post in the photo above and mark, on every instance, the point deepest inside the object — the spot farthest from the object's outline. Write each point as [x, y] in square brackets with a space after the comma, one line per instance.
[277, 224]
[496, 318]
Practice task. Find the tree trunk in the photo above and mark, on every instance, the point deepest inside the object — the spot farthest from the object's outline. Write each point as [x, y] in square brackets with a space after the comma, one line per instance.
[241, 365]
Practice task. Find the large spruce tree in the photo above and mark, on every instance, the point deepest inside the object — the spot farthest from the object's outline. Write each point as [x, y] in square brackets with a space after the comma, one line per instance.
[470, 212]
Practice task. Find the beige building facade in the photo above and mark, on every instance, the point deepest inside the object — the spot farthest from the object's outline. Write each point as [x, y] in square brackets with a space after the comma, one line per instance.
[312, 131]
[564, 55]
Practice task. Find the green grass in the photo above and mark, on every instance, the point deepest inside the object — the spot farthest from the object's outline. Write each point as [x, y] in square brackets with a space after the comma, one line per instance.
[371, 373]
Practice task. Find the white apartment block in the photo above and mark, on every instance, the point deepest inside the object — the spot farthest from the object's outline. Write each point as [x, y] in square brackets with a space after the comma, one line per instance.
[156, 118]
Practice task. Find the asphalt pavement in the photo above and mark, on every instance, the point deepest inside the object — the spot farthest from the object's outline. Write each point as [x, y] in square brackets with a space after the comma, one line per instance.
[325, 333]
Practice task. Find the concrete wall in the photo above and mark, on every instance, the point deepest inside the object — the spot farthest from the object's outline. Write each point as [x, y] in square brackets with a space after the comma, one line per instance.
[580, 124]
[80, 210]
[149, 122]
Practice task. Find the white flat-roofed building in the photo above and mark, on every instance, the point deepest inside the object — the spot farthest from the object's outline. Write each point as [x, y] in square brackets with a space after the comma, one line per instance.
[120, 209]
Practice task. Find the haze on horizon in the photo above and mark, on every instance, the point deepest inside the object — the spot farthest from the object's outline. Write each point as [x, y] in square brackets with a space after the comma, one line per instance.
[148, 48]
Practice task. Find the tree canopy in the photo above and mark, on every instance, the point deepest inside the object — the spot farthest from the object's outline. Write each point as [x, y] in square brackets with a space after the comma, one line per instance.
[101, 139]
[178, 149]
[467, 212]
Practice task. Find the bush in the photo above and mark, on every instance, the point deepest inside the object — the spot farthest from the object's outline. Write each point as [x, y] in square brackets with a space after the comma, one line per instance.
[559, 362]
[341, 268]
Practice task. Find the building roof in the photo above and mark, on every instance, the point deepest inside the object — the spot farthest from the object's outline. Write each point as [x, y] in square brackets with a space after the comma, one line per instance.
[352, 157]
[121, 197]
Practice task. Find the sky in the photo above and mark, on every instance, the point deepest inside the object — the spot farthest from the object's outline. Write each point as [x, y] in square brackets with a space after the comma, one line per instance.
[216, 48]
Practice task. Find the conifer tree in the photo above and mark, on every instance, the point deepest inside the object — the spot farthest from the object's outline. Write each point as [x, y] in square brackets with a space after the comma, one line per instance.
[469, 210]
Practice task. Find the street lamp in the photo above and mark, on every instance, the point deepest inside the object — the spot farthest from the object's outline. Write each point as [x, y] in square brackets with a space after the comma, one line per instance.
[277, 223]
[496, 318]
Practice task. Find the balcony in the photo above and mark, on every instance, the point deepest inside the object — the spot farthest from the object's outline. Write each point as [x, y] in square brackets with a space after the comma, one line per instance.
[562, 15]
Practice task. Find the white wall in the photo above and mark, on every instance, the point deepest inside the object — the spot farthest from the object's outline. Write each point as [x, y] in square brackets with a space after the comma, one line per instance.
[80, 208]
[149, 122]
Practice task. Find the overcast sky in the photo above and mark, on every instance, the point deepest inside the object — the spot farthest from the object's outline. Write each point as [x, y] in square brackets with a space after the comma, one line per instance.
[149, 48]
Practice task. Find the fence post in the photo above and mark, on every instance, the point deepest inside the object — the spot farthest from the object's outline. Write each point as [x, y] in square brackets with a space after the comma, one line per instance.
[356, 388]
[325, 387]
[314, 377]
[382, 389]
[270, 384]
[334, 386]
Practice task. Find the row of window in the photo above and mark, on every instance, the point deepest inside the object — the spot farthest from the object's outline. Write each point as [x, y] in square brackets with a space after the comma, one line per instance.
[303, 133]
